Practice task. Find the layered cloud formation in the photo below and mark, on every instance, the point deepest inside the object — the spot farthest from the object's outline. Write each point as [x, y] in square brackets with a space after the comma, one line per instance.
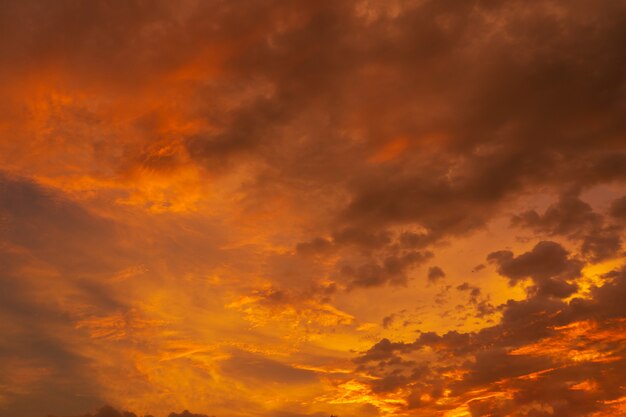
[269, 208]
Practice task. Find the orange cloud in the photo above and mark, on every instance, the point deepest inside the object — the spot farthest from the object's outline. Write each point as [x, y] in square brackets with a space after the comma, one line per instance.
[305, 208]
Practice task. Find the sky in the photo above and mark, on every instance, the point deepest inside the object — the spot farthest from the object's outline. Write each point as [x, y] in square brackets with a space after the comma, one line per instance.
[304, 208]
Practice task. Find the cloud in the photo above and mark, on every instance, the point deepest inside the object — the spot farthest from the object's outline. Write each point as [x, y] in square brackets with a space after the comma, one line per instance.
[545, 355]
[260, 370]
[43, 237]
[570, 215]
[392, 270]
[51, 226]
[602, 245]
[270, 168]
[435, 273]
[574, 218]
[547, 264]
[618, 208]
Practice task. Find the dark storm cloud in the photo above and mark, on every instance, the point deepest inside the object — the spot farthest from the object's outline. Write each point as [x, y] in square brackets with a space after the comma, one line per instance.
[570, 215]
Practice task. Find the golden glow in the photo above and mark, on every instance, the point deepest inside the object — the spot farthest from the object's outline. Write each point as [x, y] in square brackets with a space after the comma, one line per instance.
[579, 342]
[311, 208]
[390, 150]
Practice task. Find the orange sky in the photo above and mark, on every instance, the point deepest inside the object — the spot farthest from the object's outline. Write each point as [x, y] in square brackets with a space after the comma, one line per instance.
[305, 208]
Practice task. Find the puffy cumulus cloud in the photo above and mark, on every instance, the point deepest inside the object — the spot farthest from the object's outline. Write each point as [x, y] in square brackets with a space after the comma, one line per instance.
[363, 259]
[545, 357]
[576, 219]
[482, 304]
[547, 264]
[435, 273]
[391, 269]
[569, 216]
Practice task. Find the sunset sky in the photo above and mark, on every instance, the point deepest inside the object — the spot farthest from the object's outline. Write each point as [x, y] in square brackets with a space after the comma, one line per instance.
[298, 208]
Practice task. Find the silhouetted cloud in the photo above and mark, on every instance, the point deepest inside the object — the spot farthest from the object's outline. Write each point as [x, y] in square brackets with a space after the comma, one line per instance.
[545, 354]
[547, 264]
[574, 218]
[435, 273]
